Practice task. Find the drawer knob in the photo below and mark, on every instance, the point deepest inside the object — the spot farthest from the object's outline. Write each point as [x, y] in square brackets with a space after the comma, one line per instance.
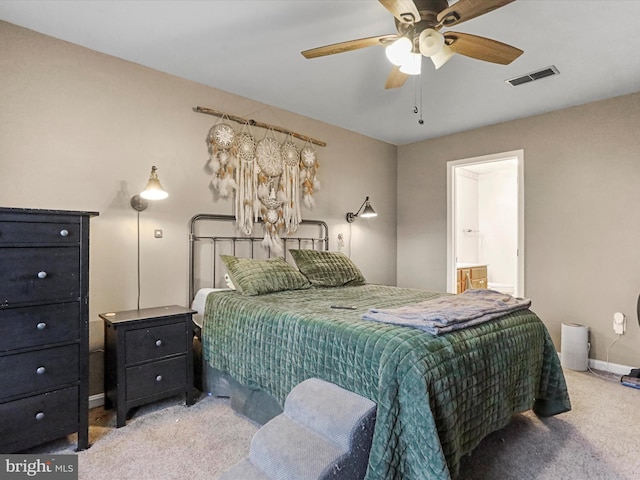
[64, 233]
[41, 326]
[159, 378]
[42, 274]
[40, 370]
[39, 415]
[158, 343]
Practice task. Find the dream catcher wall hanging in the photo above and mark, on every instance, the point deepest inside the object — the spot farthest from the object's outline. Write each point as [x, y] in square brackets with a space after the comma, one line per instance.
[270, 190]
[223, 161]
[246, 180]
[308, 169]
[270, 179]
[291, 213]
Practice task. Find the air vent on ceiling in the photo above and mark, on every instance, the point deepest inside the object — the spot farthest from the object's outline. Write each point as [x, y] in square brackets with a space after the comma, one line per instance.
[530, 77]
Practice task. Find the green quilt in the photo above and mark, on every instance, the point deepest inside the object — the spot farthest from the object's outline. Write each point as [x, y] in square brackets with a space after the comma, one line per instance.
[437, 397]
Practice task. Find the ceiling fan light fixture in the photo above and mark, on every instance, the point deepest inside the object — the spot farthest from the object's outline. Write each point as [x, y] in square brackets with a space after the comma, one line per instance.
[430, 42]
[442, 57]
[413, 65]
[398, 51]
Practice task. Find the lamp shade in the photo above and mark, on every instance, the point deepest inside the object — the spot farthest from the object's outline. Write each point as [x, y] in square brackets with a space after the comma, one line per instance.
[154, 190]
[413, 64]
[399, 50]
[430, 42]
[368, 211]
[442, 57]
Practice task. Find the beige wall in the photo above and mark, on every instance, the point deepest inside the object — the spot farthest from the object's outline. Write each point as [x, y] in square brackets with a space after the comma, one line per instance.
[80, 130]
[582, 215]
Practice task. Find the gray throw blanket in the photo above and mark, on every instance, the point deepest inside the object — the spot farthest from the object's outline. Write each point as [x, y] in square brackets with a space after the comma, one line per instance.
[451, 312]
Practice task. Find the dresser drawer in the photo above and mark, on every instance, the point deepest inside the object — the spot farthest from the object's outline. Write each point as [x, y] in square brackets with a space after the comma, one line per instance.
[39, 233]
[38, 370]
[155, 342]
[42, 417]
[156, 377]
[32, 326]
[39, 274]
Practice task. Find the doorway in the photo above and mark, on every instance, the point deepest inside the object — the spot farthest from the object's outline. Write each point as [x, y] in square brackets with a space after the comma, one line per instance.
[485, 222]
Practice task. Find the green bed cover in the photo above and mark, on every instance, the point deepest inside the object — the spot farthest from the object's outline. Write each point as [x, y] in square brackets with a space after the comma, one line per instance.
[437, 397]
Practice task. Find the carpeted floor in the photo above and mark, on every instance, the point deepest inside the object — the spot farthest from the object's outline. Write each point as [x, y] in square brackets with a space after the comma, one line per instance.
[598, 439]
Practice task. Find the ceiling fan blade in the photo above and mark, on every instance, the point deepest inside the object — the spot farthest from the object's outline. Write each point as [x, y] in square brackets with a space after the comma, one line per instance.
[404, 10]
[464, 10]
[348, 46]
[481, 48]
[396, 78]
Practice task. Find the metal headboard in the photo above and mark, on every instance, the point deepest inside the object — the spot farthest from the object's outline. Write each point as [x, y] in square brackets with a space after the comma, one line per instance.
[212, 235]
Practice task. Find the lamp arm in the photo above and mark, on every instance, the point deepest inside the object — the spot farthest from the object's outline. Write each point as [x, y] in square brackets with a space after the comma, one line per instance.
[352, 216]
[362, 206]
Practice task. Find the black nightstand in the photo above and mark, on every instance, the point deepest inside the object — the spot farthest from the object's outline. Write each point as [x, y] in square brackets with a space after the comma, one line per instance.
[148, 356]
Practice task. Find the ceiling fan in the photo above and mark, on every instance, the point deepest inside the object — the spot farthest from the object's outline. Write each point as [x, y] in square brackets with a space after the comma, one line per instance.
[419, 23]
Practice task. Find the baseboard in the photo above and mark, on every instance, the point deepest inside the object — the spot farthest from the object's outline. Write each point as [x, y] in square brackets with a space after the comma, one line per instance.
[603, 366]
[610, 367]
[96, 400]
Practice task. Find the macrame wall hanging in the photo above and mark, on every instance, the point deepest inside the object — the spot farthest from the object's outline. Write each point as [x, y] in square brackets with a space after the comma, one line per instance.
[271, 179]
[222, 157]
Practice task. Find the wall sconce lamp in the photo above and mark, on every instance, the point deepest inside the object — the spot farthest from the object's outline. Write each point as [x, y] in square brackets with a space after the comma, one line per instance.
[153, 191]
[367, 211]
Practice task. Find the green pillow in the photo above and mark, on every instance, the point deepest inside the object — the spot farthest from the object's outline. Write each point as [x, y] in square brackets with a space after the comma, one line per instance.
[327, 269]
[256, 277]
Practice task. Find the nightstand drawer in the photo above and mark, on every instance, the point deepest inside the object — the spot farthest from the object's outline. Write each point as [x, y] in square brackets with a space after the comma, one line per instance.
[155, 342]
[39, 233]
[30, 275]
[38, 370]
[156, 377]
[32, 326]
[42, 417]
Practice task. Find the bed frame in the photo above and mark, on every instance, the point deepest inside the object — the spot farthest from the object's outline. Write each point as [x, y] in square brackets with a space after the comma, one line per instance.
[212, 235]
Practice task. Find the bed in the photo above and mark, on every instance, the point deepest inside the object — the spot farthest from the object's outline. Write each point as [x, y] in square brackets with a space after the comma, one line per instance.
[437, 396]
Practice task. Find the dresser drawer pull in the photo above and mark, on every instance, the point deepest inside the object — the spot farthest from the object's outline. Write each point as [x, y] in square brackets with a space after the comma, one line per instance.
[40, 416]
[158, 343]
[41, 326]
[64, 233]
[42, 274]
[41, 370]
[159, 378]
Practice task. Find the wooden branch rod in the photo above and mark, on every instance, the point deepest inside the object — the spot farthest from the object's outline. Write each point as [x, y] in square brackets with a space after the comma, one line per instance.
[254, 123]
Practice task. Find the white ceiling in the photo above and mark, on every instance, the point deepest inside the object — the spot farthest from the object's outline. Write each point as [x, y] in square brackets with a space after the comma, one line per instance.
[252, 48]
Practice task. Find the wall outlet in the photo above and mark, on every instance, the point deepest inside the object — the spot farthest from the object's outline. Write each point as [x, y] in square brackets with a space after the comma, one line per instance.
[340, 241]
[619, 323]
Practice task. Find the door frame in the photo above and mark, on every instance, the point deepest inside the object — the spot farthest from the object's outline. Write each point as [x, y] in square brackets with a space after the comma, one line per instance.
[451, 210]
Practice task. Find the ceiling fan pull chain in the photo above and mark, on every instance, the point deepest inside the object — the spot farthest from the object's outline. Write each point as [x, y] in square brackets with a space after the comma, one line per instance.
[415, 94]
[420, 120]
[417, 84]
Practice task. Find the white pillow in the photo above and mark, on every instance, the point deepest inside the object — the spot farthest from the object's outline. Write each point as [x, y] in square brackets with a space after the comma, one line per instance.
[200, 301]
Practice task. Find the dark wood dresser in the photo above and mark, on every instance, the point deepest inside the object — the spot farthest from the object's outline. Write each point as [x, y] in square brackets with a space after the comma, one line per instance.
[44, 327]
